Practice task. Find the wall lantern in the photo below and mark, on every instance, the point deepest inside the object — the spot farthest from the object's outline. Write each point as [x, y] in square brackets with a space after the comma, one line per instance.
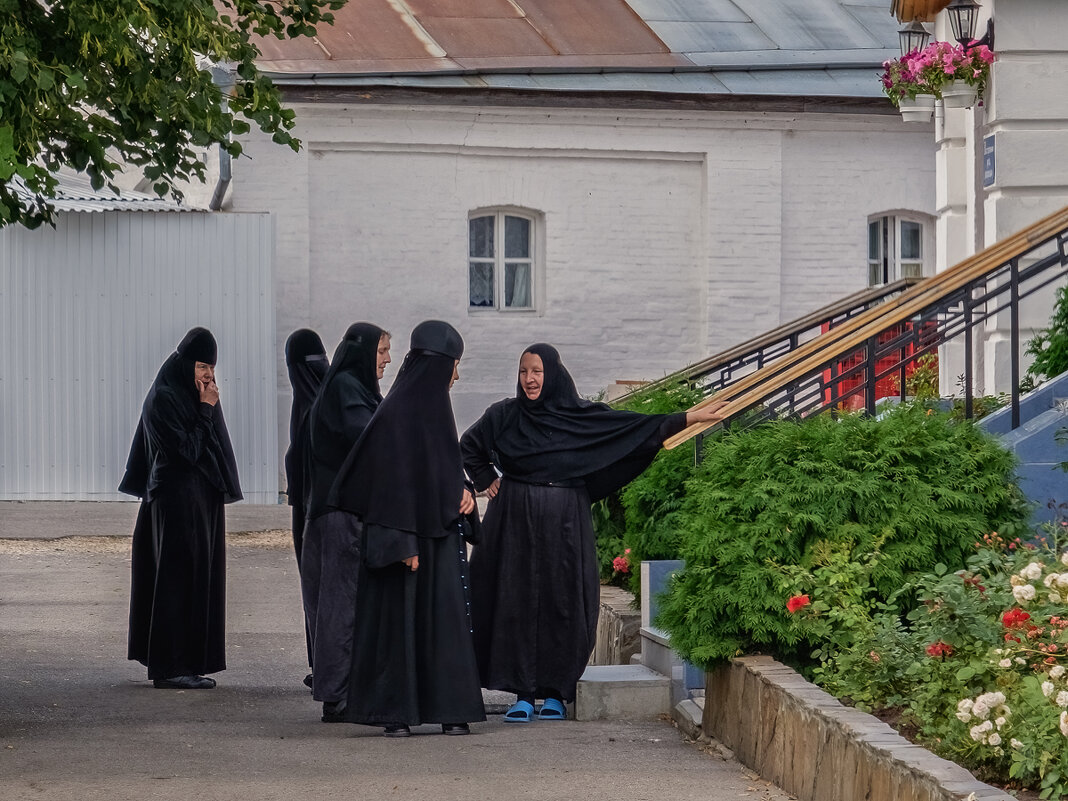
[913, 37]
[963, 16]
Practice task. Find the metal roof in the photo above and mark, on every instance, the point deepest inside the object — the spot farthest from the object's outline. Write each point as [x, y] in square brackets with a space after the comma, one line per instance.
[75, 193]
[835, 47]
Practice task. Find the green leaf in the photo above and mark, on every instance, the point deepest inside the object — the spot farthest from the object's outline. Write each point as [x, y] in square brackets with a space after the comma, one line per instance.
[965, 673]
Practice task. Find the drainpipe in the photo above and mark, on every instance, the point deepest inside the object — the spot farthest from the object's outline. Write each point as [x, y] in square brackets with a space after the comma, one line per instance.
[223, 75]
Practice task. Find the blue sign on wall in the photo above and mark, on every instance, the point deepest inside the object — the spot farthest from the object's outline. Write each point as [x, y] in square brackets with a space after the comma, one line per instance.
[988, 161]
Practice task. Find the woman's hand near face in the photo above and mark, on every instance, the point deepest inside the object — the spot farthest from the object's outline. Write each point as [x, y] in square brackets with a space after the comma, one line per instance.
[706, 414]
[209, 391]
[467, 503]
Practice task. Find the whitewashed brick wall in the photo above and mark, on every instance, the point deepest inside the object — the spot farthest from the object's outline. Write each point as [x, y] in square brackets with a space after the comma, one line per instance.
[668, 235]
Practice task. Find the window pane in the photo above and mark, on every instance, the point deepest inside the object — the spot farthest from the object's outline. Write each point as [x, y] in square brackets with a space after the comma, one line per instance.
[874, 250]
[481, 237]
[481, 284]
[875, 273]
[516, 238]
[517, 285]
[911, 238]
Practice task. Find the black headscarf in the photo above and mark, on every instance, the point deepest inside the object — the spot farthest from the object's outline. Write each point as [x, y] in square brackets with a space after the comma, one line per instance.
[306, 360]
[405, 473]
[346, 401]
[166, 437]
[560, 437]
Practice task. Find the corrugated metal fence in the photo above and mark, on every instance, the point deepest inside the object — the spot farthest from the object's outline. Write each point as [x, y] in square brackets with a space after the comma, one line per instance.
[88, 313]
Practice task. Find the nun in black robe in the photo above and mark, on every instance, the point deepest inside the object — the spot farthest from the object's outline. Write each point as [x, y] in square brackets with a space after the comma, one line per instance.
[307, 365]
[331, 551]
[535, 589]
[182, 466]
[413, 659]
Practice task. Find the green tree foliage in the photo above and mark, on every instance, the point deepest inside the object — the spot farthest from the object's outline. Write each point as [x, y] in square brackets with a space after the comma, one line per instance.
[90, 84]
[915, 485]
[1050, 346]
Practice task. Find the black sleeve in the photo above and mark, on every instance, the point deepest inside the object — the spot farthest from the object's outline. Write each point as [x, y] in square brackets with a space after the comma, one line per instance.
[385, 546]
[672, 425]
[476, 446]
[173, 432]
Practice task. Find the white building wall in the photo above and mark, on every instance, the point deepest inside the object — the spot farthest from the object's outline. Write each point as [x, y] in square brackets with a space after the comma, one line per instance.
[668, 235]
[88, 313]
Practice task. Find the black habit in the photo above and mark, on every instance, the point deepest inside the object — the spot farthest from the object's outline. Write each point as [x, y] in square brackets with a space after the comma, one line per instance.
[413, 658]
[535, 588]
[331, 549]
[307, 365]
[182, 466]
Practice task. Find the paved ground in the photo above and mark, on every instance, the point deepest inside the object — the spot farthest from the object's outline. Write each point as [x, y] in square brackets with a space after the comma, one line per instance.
[78, 721]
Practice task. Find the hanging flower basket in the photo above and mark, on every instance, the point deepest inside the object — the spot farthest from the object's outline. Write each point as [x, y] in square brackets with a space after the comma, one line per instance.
[936, 69]
[917, 109]
[959, 94]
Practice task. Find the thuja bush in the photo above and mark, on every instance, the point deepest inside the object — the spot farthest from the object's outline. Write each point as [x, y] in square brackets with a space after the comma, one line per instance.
[914, 485]
[637, 522]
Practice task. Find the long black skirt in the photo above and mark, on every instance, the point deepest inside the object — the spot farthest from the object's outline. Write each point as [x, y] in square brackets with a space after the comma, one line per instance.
[178, 587]
[329, 571]
[535, 590]
[413, 659]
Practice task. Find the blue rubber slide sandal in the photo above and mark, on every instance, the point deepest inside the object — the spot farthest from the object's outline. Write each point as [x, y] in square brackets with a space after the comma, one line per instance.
[519, 712]
[552, 709]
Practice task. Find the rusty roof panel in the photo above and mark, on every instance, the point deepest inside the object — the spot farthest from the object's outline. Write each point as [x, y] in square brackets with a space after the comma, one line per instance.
[501, 38]
[471, 10]
[585, 27]
[688, 11]
[579, 63]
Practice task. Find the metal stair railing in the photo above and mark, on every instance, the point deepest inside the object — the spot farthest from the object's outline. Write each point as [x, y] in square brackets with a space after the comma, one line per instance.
[721, 370]
[881, 340]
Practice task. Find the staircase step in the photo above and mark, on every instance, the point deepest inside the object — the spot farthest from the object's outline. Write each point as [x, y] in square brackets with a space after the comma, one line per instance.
[622, 692]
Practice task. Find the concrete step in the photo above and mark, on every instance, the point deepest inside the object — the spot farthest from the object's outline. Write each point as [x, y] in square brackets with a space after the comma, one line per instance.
[622, 692]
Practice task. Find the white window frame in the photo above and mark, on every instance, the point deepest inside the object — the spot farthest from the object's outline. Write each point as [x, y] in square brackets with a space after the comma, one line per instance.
[498, 260]
[888, 266]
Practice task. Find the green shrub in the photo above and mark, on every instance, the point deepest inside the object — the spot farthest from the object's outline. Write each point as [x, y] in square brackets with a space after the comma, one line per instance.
[1049, 347]
[636, 523]
[913, 485]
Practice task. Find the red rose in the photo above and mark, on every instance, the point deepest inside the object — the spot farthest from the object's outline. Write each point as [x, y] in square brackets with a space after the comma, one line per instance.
[621, 565]
[939, 649]
[797, 602]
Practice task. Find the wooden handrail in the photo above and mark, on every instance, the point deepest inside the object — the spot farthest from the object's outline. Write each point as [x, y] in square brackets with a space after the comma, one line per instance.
[853, 333]
[768, 338]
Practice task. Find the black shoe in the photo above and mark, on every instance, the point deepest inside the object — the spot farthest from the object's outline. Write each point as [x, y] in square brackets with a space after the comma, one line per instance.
[308, 681]
[184, 683]
[397, 730]
[455, 728]
[334, 711]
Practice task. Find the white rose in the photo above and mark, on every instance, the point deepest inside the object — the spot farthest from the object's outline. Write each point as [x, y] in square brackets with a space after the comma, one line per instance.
[995, 739]
[1032, 571]
[1064, 558]
[999, 722]
[964, 705]
[1024, 592]
[1054, 598]
[977, 734]
[1064, 723]
[1016, 581]
[986, 725]
[995, 698]
[1047, 688]
[1015, 743]
[1021, 661]
[963, 717]
[1056, 671]
[1052, 577]
[1004, 710]
[980, 709]
[1062, 699]
[1062, 581]
[1005, 663]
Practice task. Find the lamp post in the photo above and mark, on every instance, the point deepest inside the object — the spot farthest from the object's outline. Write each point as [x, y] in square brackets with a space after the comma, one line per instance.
[963, 15]
[912, 37]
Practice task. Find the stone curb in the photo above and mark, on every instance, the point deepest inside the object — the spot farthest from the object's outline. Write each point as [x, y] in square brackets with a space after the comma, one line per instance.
[808, 743]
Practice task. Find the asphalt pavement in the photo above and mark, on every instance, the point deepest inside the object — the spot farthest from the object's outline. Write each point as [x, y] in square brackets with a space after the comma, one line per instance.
[80, 722]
